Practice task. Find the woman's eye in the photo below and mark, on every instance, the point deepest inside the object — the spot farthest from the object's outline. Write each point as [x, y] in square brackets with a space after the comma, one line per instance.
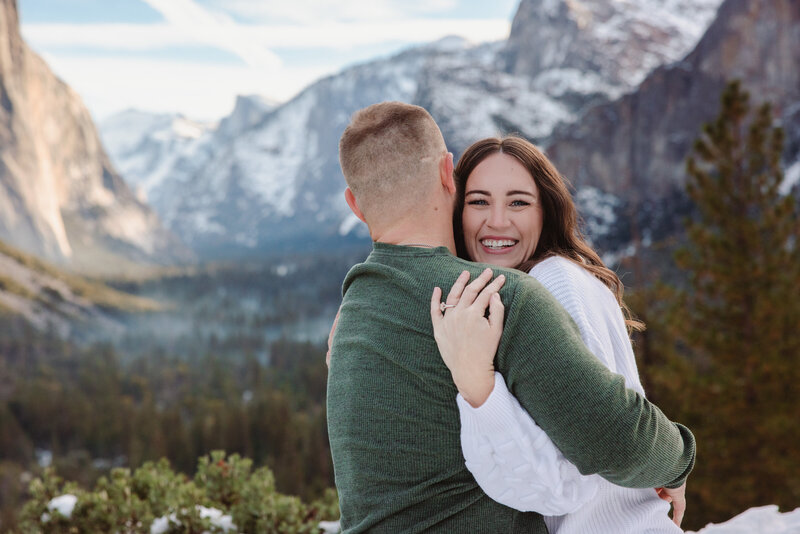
[517, 203]
[478, 202]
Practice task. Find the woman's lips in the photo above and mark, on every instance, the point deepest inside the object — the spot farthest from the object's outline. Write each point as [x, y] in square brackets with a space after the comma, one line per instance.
[498, 245]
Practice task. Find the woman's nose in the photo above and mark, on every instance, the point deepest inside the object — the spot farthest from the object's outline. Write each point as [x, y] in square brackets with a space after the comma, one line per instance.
[498, 217]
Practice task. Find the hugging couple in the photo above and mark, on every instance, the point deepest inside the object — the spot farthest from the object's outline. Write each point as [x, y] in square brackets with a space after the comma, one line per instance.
[514, 404]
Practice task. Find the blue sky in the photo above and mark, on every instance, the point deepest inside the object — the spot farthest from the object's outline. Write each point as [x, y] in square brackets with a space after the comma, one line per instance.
[195, 56]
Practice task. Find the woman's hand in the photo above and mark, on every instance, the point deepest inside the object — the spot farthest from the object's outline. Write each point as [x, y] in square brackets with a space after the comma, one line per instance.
[466, 337]
[676, 496]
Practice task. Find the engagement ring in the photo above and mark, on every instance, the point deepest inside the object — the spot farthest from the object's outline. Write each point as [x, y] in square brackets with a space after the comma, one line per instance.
[444, 306]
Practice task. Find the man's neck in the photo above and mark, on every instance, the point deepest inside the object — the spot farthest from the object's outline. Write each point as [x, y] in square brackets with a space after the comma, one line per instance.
[418, 237]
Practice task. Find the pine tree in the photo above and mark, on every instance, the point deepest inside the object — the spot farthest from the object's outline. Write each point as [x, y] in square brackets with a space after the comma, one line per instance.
[738, 322]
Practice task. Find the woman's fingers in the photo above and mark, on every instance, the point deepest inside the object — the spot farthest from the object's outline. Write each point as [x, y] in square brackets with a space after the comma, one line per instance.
[436, 312]
[676, 496]
[473, 289]
[678, 509]
[458, 288]
[477, 292]
[496, 310]
[482, 300]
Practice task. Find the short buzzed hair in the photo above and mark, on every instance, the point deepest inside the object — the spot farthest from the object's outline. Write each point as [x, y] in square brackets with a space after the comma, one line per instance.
[389, 153]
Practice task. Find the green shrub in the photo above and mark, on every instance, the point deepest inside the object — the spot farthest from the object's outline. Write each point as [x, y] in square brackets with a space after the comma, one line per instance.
[155, 494]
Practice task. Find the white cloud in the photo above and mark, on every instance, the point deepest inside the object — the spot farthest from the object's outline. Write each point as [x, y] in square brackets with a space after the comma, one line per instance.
[129, 37]
[110, 81]
[316, 11]
[198, 90]
[346, 35]
[214, 29]
[141, 37]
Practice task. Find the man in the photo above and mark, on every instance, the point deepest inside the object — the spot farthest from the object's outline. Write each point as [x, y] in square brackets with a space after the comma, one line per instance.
[392, 418]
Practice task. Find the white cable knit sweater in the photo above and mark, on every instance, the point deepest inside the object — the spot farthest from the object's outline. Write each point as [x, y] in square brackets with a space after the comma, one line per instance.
[515, 462]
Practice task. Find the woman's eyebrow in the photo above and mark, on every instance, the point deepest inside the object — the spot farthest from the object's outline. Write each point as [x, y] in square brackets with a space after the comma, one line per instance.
[508, 193]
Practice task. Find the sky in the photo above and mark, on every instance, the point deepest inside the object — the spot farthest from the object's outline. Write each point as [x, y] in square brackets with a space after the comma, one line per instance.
[194, 56]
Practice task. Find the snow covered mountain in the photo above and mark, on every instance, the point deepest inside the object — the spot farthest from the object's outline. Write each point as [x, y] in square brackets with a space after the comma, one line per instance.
[273, 182]
[145, 145]
[623, 39]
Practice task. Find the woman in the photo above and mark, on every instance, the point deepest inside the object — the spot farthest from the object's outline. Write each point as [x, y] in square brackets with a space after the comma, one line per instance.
[514, 210]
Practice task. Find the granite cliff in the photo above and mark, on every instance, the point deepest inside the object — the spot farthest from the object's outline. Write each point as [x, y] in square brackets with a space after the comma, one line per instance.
[60, 197]
[634, 148]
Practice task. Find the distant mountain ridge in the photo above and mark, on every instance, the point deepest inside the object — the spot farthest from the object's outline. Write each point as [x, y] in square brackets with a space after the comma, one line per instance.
[145, 145]
[275, 184]
[60, 197]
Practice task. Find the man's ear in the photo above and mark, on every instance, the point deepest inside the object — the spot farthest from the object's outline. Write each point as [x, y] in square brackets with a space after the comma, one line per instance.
[446, 173]
[351, 201]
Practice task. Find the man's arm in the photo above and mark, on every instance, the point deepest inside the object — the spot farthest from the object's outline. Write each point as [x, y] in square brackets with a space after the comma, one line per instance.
[596, 422]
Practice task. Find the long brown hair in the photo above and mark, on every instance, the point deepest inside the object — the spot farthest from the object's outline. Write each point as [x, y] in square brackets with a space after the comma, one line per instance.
[561, 234]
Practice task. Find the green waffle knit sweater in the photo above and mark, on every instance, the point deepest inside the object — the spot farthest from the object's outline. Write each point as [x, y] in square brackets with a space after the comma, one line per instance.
[393, 421]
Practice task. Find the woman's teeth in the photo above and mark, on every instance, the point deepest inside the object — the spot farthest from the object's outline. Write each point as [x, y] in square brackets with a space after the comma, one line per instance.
[498, 243]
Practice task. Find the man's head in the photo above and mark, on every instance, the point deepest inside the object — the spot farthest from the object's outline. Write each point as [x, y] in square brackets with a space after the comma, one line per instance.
[392, 155]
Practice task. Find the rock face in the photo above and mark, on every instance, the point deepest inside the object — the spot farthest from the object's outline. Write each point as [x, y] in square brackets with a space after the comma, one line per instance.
[60, 197]
[272, 182]
[635, 148]
[625, 40]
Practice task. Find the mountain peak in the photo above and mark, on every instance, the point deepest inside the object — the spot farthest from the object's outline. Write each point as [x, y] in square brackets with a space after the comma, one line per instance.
[248, 111]
[625, 39]
[450, 43]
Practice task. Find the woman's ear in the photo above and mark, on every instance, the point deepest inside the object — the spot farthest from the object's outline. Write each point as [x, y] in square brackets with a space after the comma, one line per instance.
[351, 201]
[446, 173]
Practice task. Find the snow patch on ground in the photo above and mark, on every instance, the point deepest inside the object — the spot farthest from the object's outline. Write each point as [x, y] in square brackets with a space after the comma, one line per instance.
[63, 505]
[329, 527]
[759, 520]
[164, 524]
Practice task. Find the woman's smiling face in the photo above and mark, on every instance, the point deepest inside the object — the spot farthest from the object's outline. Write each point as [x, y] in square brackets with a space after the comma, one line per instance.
[502, 218]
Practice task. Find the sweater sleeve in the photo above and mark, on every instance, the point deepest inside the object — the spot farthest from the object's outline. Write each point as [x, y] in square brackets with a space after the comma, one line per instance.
[514, 461]
[596, 312]
[581, 300]
[598, 424]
